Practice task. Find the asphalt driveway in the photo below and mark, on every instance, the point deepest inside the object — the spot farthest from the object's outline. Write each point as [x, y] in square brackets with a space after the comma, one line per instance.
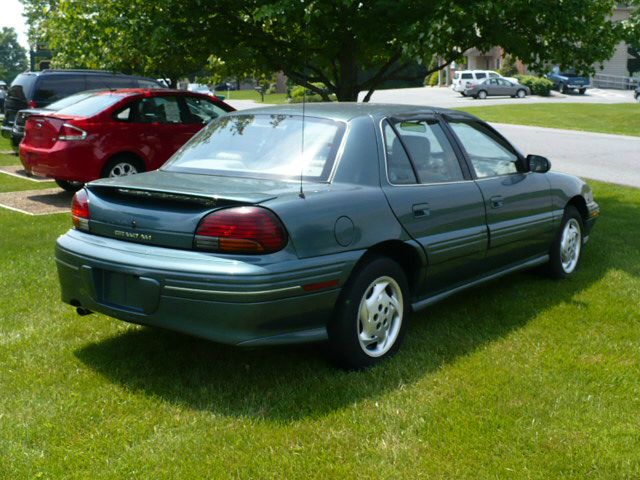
[600, 156]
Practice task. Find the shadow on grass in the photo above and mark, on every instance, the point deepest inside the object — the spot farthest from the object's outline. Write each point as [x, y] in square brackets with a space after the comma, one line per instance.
[287, 384]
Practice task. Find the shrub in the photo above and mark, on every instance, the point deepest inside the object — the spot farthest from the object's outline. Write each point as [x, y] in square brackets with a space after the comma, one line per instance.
[297, 94]
[538, 85]
[509, 66]
[431, 80]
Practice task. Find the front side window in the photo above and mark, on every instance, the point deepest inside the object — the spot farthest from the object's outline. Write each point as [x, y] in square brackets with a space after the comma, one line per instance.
[432, 155]
[489, 154]
[200, 110]
[262, 146]
[467, 76]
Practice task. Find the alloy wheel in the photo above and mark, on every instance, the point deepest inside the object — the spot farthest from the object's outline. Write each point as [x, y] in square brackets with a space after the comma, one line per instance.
[570, 245]
[122, 169]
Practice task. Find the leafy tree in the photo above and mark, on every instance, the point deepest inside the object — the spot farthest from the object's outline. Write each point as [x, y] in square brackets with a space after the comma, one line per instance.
[347, 45]
[13, 57]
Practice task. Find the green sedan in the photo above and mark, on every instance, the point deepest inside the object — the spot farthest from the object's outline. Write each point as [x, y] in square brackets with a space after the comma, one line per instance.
[277, 225]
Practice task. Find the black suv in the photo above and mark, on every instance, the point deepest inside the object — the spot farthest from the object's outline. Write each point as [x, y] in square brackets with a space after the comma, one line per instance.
[37, 90]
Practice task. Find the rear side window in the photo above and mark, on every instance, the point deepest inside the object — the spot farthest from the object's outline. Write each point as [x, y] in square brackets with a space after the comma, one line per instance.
[22, 86]
[399, 167]
[92, 105]
[106, 82]
[432, 154]
[159, 110]
[51, 88]
[481, 75]
[467, 76]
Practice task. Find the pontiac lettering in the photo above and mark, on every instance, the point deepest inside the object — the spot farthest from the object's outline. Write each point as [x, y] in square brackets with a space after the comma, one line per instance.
[132, 235]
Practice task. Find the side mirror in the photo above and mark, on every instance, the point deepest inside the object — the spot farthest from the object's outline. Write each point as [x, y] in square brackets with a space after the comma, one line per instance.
[537, 164]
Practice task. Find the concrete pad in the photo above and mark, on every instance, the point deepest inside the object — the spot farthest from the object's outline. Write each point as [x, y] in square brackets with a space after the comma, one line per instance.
[37, 202]
[20, 172]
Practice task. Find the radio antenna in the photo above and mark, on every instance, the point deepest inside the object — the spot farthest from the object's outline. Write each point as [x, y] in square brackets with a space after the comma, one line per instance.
[304, 94]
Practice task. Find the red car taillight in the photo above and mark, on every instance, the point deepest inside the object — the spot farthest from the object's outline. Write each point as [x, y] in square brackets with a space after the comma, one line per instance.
[241, 230]
[32, 104]
[71, 132]
[80, 210]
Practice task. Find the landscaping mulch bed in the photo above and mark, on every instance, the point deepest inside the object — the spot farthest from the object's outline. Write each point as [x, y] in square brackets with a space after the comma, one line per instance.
[20, 172]
[37, 202]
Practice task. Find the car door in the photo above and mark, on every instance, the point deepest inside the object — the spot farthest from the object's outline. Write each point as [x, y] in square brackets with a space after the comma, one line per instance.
[517, 203]
[505, 87]
[161, 118]
[433, 196]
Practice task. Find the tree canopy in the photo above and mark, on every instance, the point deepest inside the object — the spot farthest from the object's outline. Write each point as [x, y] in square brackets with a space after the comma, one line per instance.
[348, 45]
[13, 57]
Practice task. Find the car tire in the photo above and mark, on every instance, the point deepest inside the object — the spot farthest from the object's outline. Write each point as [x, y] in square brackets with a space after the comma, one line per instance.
[581, 91]
[481, 95]
[69, 186]
[566, 250]
[122, 166]
[562, 88]
[521, 93]
[374, 303]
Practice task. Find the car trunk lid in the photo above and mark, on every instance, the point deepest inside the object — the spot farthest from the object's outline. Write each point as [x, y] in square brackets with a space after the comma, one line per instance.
[165, 208]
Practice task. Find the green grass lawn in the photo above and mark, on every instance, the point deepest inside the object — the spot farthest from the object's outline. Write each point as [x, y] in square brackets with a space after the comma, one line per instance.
[253, 95]
[620, 118]
[524, 377]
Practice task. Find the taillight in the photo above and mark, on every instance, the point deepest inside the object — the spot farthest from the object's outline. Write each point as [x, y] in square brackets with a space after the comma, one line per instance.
[80, 210]
[71, 132]
[241, 230]
[32, 104]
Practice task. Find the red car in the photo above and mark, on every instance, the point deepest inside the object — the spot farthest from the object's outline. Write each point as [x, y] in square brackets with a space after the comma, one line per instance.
[114, 133]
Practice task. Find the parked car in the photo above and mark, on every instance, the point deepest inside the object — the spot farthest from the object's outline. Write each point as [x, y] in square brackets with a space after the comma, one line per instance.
[466, 78]
[40, 89]
[3, 95]
[199, 88]
[497, 86]
[246, 238]
[113, 133]
[568, 81]
[225, 86]
[20, 121]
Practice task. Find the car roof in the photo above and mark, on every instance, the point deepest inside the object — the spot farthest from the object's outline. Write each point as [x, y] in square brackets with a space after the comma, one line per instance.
[346, 111]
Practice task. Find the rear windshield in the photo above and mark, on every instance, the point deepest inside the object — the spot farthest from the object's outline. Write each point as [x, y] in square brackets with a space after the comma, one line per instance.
[262, 146]
[22, 86]
[70, 100]
[92, 105]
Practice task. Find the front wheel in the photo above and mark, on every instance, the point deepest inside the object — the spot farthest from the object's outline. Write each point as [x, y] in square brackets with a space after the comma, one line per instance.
[69, 186]
[566, 250]
[371, 315]
[521, 93]
[582, 91]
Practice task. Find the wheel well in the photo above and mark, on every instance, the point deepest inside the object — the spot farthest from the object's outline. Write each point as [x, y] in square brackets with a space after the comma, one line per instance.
[405, 255]
[128, 156]
[581, 205]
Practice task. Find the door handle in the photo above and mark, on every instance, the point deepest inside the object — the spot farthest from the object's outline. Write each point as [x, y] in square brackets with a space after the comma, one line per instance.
[497, 201]
[421, 210]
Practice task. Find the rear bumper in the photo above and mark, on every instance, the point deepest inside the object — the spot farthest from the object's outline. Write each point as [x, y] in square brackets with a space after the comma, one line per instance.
[233, 300]
[63, 161]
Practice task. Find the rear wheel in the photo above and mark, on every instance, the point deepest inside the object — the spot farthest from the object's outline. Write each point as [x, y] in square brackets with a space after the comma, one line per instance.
[521, 93]
[566, 250]
[122, 166]
[69, 185]
[582, 90]
[481, 95]
[371, 315]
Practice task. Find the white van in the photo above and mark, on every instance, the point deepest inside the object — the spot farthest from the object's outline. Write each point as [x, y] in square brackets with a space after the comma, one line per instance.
[465, 78]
